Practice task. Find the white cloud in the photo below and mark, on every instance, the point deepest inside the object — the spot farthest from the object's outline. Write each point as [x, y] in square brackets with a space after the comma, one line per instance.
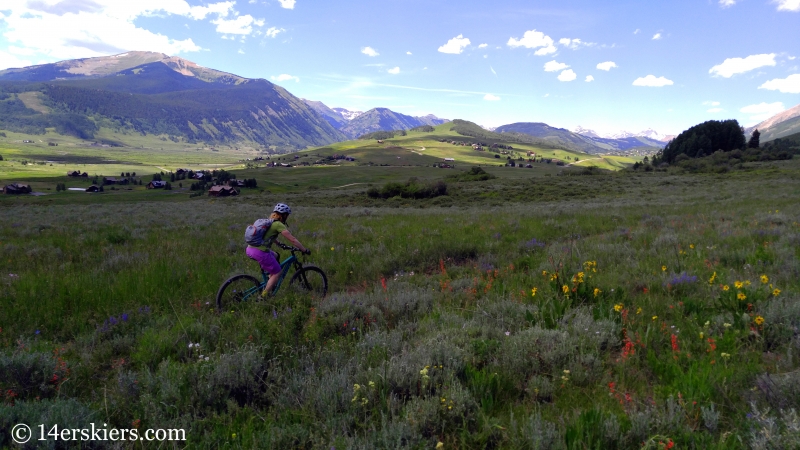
[727, 3]
[272, 31]
[657, 36]
[788, 85]
[710, 103]
[89, 28]
[554, 66]
[369, 51]
[284, 77]
[483, 45]
[534, 39]
[575, 44]
[394, 71]
[608, 65]
[492, 69]
[408, 53]
[491, 98]
[652, 81]
[763, 111]
[734, 66]
[567, 75]
[589, 78]
[241, 52]
[788, 5]
[637, 31]
[7, 61]
[242, 25]
[455, 46]
[288, 4]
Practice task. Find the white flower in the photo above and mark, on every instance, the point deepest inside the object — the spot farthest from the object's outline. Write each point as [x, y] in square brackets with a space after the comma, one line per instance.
[508, 333]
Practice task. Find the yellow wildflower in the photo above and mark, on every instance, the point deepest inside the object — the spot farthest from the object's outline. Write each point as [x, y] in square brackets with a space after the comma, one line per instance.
[565, 288]
[747, 282]
[423, 372]
[725, 355]
[618, 307]
[663, 268]
[439, 445]
[713, 278]
[726, 325]
[702, 335]
[764, 279]
[544, 273]
[759, 320]
[776, 292]
[655, 317]
[553, 277]
[726, 288]
[331, 248]
[533, 292]
[691, 245]
[741, 296]
[597, 291]
[738, 284]
[638, 310]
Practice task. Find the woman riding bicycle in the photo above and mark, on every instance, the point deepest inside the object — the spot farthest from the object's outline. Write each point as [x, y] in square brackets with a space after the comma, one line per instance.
[268, 259]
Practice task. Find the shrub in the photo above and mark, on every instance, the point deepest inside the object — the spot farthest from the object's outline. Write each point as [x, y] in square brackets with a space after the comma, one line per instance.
[412, 189]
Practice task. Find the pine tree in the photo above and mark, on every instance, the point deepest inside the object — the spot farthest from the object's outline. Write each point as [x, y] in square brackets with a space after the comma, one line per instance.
[754, 140]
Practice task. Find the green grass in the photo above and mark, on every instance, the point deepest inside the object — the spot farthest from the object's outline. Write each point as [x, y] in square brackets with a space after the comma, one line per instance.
[431, 312]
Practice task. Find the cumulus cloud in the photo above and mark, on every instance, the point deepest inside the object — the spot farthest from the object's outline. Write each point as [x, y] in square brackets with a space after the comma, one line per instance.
[763, 110]
[89, 28]
[727, 3]
[288, 4]
[369, 51]
[455, 46]
[608, 65]
[284, 77]
[408, 53]
[567, 75]
[491, 98]
[534, 39]
[272, 31]
[575, 44]
[394, 71]
[657, 36]
[652, 81]
[734, 66]
[242, 25]
[589, 78]
[788, 5]
[483, 45]
[554, 66]
[788, 85]
[637, 31]
[7, 61]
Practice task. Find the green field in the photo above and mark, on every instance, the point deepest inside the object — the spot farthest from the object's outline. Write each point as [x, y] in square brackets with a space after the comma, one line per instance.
[552, 307]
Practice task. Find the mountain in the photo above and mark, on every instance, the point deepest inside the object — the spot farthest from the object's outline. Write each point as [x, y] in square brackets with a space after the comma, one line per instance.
[348, 115]
[650, 134]
[335, 118]
[155, 94]
[561, 137]
[780, 125]
[379, 119]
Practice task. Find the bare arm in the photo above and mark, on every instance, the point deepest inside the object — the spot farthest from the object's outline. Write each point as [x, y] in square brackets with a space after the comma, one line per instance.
[293, 240]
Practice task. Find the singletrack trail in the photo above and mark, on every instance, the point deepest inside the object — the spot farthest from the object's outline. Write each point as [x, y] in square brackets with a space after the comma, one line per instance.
[576, 162]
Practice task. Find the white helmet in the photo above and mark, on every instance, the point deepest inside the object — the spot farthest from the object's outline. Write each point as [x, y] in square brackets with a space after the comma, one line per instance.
[282, 208]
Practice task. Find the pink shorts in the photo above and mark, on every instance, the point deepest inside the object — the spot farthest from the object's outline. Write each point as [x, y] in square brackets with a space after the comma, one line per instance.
[267, 260]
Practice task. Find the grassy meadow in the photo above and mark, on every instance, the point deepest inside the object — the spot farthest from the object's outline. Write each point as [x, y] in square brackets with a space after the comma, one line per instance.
[547, 308]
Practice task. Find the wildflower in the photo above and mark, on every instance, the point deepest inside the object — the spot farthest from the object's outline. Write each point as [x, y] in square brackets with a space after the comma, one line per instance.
[741, 296]
[331, 248]
[565, 289]
[725, 355]
[776, 292]
[508, 333]
[674, 342]
[597, 291]
[764, 279]
[639, 310]
[726, 288]
[701, 335]
[439, 445]
[618, 307]
[726, 325]
[747, 282]
[533, 292]
[372, 384]
[713, 278]
[655, 318]
[553, 277]
[544, 273]
[738, 284]
[759, 320]
[663, 268]
[691, 246]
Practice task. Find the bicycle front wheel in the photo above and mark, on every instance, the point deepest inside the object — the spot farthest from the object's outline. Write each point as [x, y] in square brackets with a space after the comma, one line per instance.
[236, 289]
[310, 280]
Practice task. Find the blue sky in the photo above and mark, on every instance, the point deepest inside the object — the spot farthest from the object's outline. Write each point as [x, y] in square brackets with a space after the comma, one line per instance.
[599, 64]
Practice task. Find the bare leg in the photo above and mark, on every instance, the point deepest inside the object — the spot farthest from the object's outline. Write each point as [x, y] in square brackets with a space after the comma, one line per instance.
[273, 278]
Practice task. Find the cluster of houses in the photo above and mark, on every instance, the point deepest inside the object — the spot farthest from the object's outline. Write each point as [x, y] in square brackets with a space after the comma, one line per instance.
[17, 188]
[77, 173]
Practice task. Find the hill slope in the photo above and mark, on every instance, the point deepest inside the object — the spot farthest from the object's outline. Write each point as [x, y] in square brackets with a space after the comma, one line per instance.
[379, 119]
[780, 125]
[165, 96]
[573, 141]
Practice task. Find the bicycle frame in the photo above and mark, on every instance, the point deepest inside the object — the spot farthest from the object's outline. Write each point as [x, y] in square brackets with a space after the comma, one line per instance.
[285, 266]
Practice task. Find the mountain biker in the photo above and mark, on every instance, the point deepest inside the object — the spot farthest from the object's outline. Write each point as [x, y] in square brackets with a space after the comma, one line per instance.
[268, 259]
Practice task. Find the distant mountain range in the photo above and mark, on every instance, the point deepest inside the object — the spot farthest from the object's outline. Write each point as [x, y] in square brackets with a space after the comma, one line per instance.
[356, 123]
[780, 125]
[588, 143]
[649, 134]
[155, 94]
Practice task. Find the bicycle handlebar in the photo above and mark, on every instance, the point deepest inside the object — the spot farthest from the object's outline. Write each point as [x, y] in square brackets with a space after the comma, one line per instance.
[288, 247]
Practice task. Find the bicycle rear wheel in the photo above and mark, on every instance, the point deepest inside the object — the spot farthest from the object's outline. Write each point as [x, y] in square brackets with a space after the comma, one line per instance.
[236, 289]
[310, 280]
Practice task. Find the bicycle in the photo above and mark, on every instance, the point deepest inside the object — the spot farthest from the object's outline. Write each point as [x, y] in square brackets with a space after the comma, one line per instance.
[307, 278]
